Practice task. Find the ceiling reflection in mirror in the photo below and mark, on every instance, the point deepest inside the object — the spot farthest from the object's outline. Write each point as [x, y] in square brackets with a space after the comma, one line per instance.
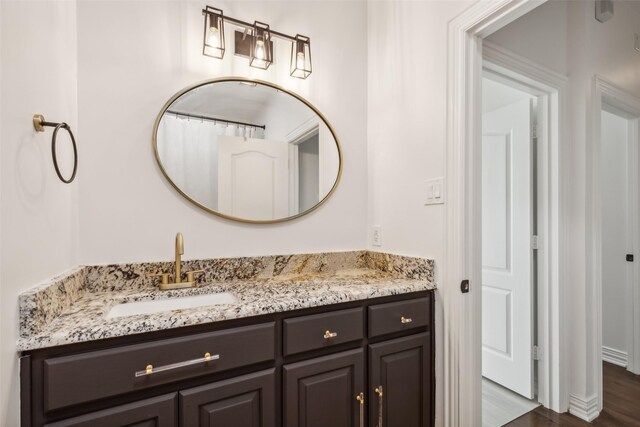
[247, 150]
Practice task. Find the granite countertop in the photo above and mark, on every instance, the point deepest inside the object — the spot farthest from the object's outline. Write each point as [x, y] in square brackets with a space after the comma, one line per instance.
[72, 308]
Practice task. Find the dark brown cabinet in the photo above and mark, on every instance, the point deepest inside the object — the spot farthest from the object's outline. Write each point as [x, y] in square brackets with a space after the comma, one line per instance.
[303, 368]
[246, 401]
[155, 412]
[401, 370]
[322, 392]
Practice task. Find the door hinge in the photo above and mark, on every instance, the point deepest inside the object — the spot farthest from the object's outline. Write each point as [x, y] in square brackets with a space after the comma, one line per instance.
[534, 131]
[537, 353]
[535, 242]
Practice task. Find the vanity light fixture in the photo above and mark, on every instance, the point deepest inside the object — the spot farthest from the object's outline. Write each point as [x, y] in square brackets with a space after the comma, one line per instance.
[254, 43]
[213, 44]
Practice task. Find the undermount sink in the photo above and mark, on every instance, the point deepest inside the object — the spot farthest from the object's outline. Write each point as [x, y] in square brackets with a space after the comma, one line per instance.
[178, 303]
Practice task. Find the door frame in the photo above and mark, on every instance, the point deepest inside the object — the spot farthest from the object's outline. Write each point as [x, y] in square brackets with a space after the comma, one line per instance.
[550, 89]
[606, 93]
[463, 333]
[294, 138]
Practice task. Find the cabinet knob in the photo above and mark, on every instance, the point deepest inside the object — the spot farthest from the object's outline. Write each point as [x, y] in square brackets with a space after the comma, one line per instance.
[328, 334]
[405, 320]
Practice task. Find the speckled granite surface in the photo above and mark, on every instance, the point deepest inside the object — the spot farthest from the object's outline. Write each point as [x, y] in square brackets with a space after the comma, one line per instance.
[71, 308]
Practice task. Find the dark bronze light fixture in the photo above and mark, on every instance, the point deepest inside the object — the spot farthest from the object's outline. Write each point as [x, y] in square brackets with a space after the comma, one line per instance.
[254, 43]
[213, 44]
[301, 57]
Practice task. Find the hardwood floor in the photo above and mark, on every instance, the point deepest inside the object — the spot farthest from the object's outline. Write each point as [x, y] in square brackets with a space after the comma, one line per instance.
[621, 405]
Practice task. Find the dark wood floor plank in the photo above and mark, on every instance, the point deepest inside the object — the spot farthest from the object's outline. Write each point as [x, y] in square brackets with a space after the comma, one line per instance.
[621, 405]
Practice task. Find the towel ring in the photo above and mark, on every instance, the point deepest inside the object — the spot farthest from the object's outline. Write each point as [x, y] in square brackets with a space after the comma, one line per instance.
[39, 124]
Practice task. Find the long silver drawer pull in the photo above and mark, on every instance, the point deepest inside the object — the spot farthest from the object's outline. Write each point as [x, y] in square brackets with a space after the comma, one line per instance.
[360, 398]
[151, 370]
[329, 334]
[406, 320]
[380, 394]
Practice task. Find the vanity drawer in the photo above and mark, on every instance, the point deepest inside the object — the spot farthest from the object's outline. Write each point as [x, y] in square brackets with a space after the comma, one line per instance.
[84, 377]
[322, 330]
[398, 316]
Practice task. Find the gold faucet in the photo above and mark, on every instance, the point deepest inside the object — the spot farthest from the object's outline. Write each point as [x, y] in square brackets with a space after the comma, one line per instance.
[177, 277]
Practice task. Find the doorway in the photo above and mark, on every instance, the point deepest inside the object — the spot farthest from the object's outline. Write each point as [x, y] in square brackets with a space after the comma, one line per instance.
[463, 261]
[615, 221]
[617, 245]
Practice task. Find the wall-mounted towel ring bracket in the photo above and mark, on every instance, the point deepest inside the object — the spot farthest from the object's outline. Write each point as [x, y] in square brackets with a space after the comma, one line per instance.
[39, 124]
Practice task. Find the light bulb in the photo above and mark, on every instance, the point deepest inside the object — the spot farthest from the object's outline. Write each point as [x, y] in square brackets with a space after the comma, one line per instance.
[214, 37]
[260, 50]
[300, 61]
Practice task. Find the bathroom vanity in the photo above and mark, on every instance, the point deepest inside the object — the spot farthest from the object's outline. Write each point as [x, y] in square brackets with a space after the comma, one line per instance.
[339, 347]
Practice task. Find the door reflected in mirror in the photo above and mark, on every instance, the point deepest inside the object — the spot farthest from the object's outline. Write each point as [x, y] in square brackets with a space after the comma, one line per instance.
[247, 150]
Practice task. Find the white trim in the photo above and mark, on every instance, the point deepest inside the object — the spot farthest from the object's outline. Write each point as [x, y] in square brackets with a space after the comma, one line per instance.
[294, 179]
[585, 409]
[550, 88]
[303, 131]
[616, 357]
[463, 329]
[605, 92]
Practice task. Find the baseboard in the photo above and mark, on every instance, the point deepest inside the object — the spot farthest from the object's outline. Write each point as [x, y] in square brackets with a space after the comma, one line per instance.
[614, 356]
[584, 409]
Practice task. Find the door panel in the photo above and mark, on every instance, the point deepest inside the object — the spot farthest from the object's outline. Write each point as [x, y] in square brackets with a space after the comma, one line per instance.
[507, 212]
[402, 368]
[322, 392]
[155, 412]
[246, 401]
[253, 180]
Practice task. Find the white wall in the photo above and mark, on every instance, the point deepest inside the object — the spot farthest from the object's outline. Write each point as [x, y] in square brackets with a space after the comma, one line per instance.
[406, 133]
[128, 211]
[590, 48]
[117, 63]
[38, 212]
[615, 189]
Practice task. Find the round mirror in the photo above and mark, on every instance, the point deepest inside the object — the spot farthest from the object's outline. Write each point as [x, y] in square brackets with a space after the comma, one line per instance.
[247, 150]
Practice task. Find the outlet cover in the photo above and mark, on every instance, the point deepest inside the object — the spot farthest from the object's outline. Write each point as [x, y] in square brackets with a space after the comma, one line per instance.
[376, 235]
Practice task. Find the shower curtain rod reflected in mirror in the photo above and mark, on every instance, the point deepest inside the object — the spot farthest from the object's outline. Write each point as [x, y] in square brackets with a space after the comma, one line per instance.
[214, 119]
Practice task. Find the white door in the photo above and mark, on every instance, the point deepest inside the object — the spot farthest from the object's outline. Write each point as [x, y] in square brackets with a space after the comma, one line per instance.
[253, 178]
[507, 284]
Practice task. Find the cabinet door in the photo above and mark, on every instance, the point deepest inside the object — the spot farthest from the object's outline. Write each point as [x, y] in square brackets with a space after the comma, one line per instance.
[402, 367]
[245, 401]
[155, 412]
[322, 392]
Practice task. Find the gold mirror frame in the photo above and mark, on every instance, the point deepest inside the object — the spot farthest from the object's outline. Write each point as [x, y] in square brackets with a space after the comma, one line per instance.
[261, 82]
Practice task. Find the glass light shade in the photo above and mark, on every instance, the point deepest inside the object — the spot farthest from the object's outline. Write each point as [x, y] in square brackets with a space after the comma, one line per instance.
[261, 55]
[301, 57]
[213, 43]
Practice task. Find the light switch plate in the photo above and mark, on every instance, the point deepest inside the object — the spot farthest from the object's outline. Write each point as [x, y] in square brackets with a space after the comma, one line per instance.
[434, 191]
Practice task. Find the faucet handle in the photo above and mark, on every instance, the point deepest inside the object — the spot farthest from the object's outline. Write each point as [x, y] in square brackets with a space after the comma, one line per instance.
[164, 276]
[191, 275]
